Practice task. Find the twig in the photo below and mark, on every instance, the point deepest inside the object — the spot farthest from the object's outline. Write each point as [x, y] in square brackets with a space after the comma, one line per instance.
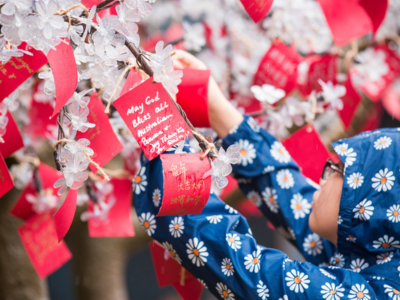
[65, 11]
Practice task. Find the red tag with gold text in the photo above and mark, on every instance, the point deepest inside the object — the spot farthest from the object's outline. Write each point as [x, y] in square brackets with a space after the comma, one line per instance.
[185, 190]
[6, 182]
[12, 138]
[152, 117]
[257, 9]
[38, 235]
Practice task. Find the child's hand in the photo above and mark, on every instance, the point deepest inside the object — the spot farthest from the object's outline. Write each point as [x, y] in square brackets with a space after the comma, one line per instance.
[185, 60]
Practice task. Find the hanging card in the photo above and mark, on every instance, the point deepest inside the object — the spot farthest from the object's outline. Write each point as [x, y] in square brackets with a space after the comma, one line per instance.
[19, 69]
[185, 191]
[190, 290]
[376, 11]
[38, 235]
[118, 222]
[391, 101]
[350, 104]
[12, 138]
[152, 118]
[63, 66]
[22, 208]
[6, 182]
[133, 78]
[103, 140]
[257, 9]
[308, 151]
[65, 214]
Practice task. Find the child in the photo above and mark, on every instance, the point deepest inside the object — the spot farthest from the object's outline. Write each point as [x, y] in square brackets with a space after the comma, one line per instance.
[348, 231]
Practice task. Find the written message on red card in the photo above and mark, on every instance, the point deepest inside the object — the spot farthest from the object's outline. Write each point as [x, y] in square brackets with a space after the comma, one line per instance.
[185, 190]
[152, 118]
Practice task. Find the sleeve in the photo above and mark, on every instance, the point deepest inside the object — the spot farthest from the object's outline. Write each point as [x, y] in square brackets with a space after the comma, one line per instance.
[217, 247]
[271, 180]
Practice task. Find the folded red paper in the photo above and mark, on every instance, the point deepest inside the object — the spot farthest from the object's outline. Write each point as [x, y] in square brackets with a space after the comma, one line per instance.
[257, 9]
[12, 138]
[65, 214]
[6, 182]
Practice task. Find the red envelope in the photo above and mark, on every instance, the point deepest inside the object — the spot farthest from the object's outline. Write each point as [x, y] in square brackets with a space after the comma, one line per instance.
[119, 222]
[19, 69]
[152, 118]
[6, 182]
[103, 140]
[350, 104]
[278, 67]
[12, 138]
[191, 290]
[376, 11]
[65, 214]
[193, 96]
[63, 66]
[257, 9]
[39, 238]
[185, 191]
[307, 149]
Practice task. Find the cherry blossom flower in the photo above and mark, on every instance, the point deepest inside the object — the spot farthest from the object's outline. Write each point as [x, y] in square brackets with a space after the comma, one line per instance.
[267, 93]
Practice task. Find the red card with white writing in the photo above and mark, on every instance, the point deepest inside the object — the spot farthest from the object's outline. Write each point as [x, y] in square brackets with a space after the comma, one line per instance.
[65, 214]
[133, 78]
[185, 191]
[12, 138]
[376, 11]
[38, 235]
[118, 222]
[6, 182]
[63, 66]
[103, 140]
[152, 117]
[308, 151]
[19, 69]
[193, 96]
[257, 9]
[278, 67]
[350, 104]
[347, 20]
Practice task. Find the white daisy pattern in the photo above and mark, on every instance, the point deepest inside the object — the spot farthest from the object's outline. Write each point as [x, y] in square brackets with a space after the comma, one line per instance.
[262, 290]
[355, 180]
[225, 292]
[252, 261]
[358, 264]
[350, 157]
[363, 210]
[392, 292]
[300, 206]
[341, 149]
[176, 227]
[386, 242]
[227, 267]
[148, 221]
[231, 210]
[202, 282]
[233, 241]
[313, 244]
[215, 219]
[382, 143]
[297, 281]
[279, 152]
[270, 198]
[197, 252]
[330, 291]
[383, 180]
[253, 124]
[156, 197]
[172, 252]
[247, 152]
[140, 181]
[285, 179]
[327, 274]
[384, 257]
[268, 169]
[393, 213]
[254, 197]
[337, 260]
[359, 292]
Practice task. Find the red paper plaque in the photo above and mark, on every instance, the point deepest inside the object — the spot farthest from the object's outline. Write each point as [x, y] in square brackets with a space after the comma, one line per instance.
[65, 214]
[257, 9]
[190, 290]
[152, 118]
[12, 138]
[119, 222]
[38, 235]
[6, 182]
[376, 10]
[306, 148]
[103, 140]
[350, 104]
[185, 191]
[19, 69]
[278, 68]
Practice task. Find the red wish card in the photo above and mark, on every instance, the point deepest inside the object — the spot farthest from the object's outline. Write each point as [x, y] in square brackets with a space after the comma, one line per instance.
[190, 290]
[12, 138]
[306, 148]
[278, 67]
[19, 69]
[193, 96]
[391, 101]
[38, 235]
[118, 221]
[152, 117]
[6, 182]
[103, 140]
[257, 9]
[376, 11]
[350, 104]
[63, 66]
[185, 190]
[65, 214]
[133, 78]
